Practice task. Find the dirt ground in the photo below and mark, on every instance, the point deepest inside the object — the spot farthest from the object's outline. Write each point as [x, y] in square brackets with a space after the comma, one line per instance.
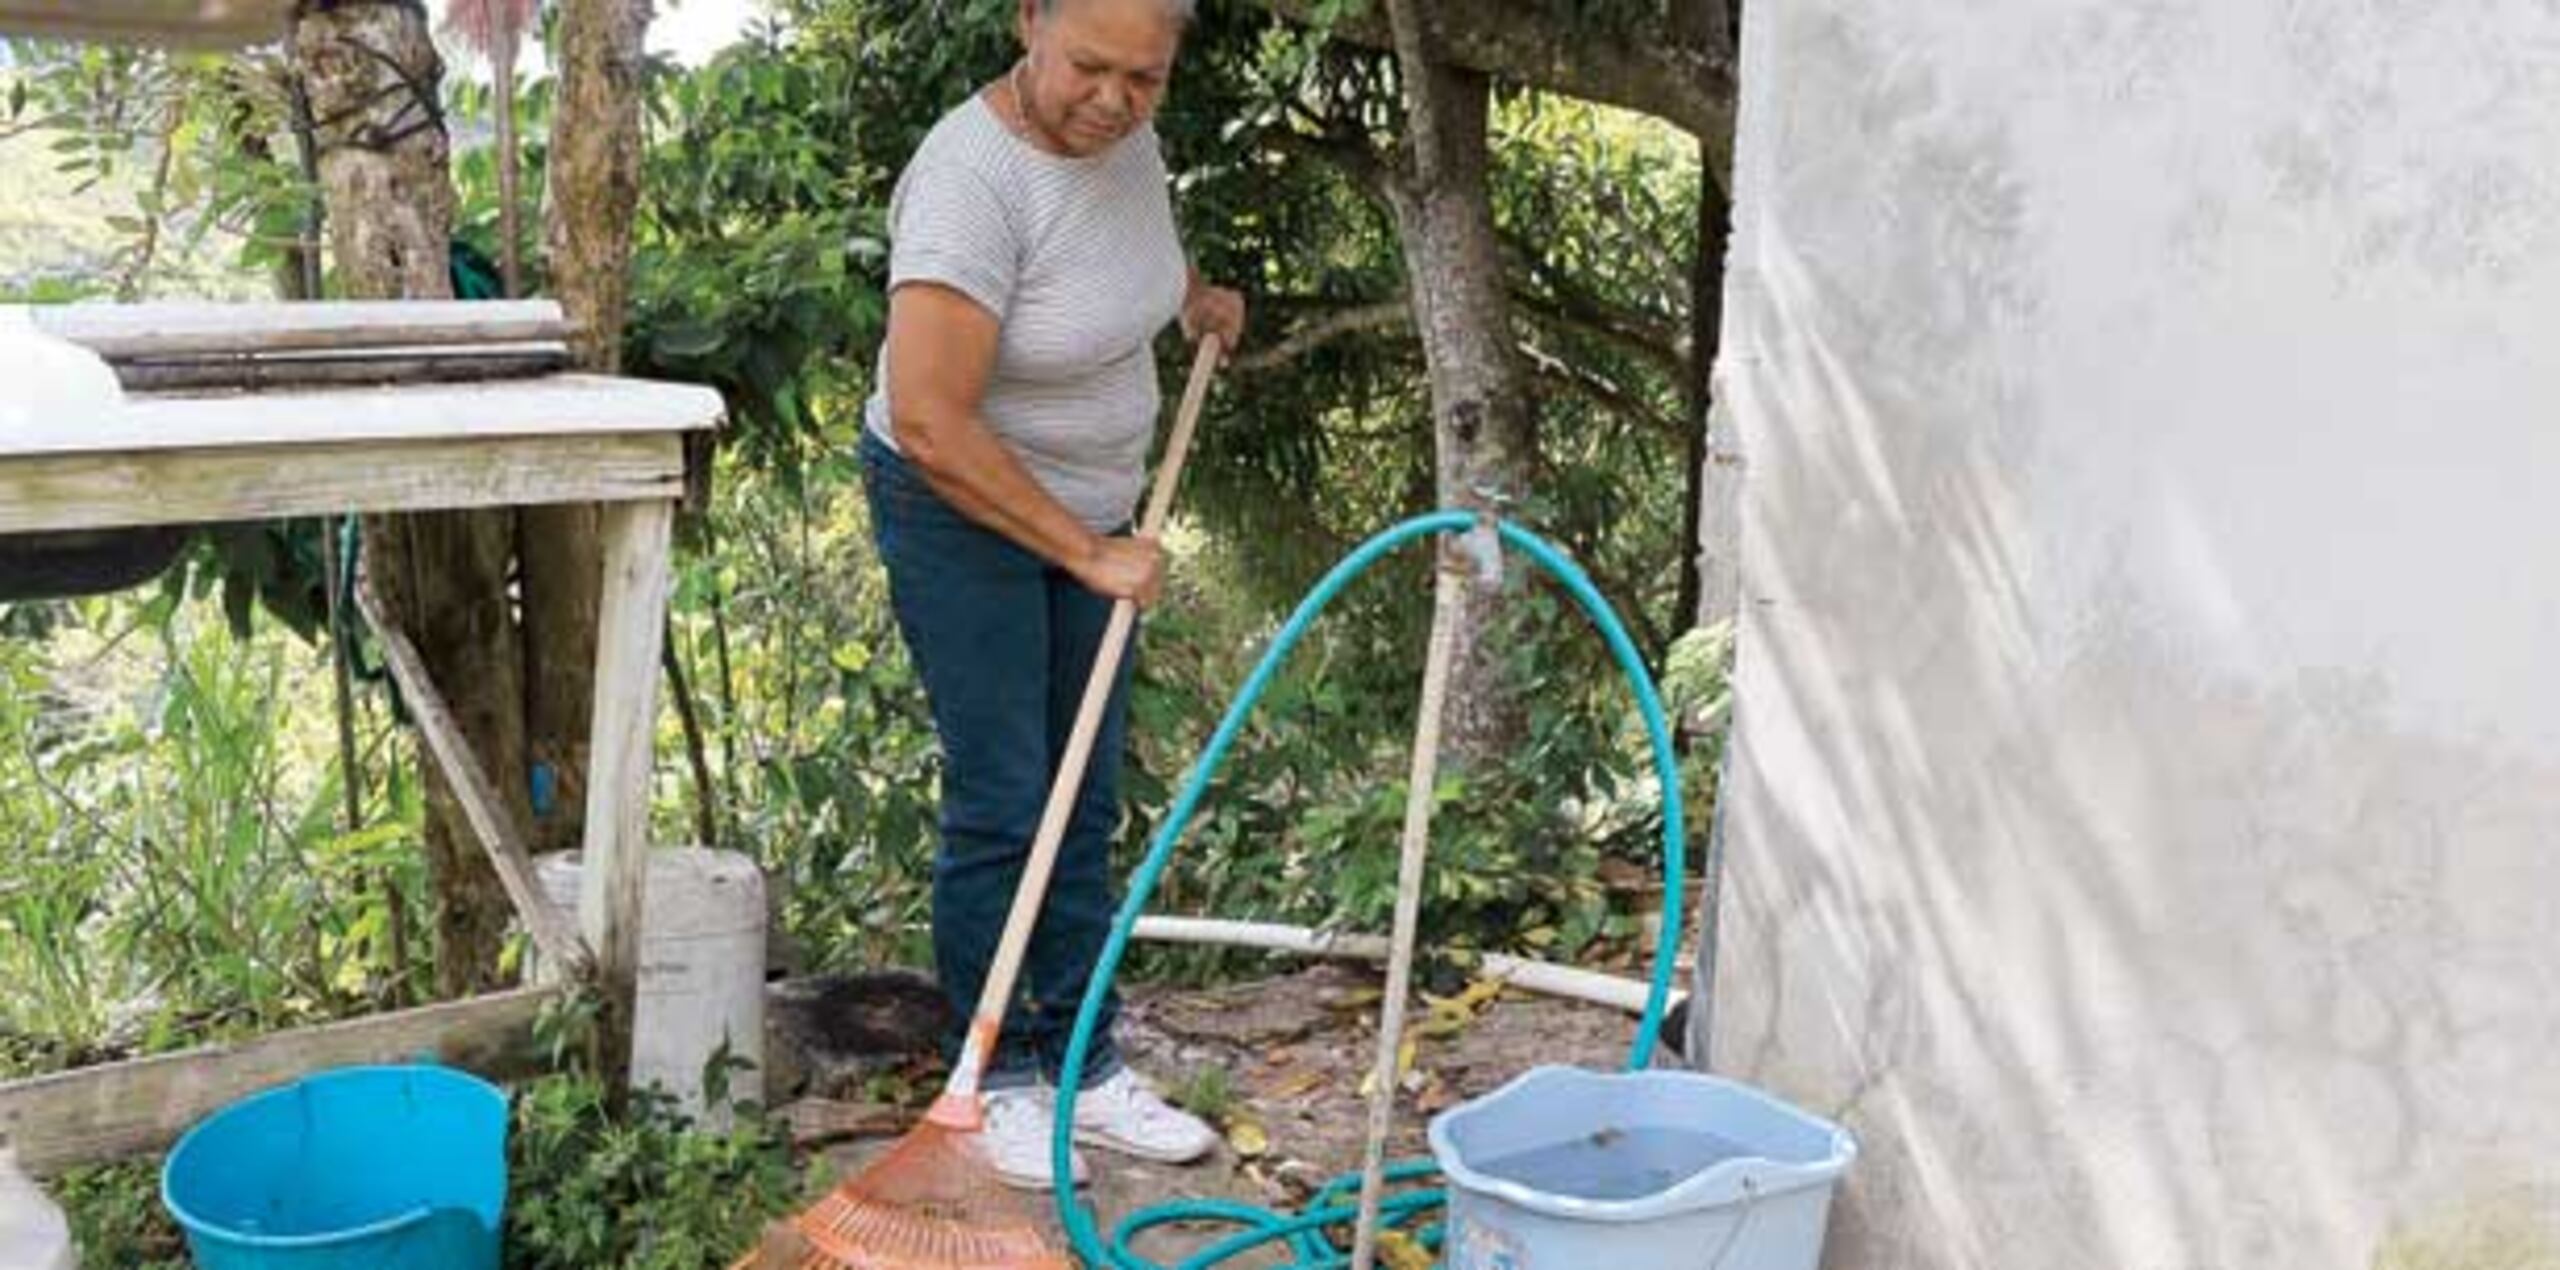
[1295, 1052]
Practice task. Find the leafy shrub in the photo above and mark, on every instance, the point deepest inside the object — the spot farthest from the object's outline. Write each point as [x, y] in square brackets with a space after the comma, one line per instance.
[116, 1217]
[635, 1183]
[645, 1189]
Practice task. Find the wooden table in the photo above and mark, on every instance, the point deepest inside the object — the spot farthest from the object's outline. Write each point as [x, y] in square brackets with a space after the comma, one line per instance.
[257, 456]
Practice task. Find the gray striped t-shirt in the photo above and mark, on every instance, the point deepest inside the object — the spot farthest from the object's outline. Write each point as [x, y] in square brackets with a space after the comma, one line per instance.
[1078, 260]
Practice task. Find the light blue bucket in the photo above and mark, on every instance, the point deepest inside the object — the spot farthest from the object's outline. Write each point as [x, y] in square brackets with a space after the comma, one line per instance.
[364, 1168]
[1566, 1169]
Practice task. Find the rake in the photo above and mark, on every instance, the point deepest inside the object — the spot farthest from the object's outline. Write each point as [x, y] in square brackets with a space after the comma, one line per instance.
[932, 1202]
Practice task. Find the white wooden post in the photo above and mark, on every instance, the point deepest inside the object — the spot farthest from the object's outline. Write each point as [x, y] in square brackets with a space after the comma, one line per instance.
[630, 626]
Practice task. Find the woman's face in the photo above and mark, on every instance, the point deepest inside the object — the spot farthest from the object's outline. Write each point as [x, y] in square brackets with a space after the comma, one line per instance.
[1095, 69]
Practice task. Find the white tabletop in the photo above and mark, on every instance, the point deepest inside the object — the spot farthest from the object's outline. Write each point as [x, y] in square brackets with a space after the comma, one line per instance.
[555, 405]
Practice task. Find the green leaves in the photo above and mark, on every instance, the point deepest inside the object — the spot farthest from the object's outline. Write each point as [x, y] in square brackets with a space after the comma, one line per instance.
[180, 876]
[117, 1219]
[182, 146]
[756, 263]
[646, 1190]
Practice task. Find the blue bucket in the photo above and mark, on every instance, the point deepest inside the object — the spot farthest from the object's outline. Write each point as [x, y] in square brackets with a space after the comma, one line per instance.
[364, 1168]
[1566, 1169]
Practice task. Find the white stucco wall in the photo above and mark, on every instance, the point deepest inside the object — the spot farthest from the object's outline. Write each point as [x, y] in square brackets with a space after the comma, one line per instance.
[2144, 829]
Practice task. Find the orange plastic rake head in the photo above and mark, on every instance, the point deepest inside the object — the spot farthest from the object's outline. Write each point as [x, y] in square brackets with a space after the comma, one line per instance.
[931, 1203]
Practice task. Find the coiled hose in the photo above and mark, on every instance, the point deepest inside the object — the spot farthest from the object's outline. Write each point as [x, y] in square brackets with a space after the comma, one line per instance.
[1303, 1232]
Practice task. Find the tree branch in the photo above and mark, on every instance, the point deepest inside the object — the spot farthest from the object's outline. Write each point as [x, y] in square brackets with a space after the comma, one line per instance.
[1659, 344]
[1405, 23]
[1324, 329]
[1680, 71]
[706, 792]
[1609, 396]
[1666, 351]
[1613, 202]
[1641, 340]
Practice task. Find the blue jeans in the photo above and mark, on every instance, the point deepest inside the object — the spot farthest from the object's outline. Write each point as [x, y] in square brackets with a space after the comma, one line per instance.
[1004, 642]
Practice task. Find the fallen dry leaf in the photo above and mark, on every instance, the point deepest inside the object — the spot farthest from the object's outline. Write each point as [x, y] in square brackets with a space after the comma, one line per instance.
[1400, 1251]
[1408, 1051]
[1434, 1097]
[1297, 1084]
[1447, 1016]
[1248, 1138]
[1362, 1001]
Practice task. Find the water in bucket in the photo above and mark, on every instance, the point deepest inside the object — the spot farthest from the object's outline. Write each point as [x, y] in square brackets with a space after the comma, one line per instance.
[1614, 1163]
[1564, 1169]
[366, 1168]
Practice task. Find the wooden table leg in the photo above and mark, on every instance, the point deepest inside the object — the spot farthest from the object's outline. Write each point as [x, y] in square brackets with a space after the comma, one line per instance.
[630, 626]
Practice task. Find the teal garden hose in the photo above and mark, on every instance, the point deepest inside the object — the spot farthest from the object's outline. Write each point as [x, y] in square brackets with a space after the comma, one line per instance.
[1303, 1233]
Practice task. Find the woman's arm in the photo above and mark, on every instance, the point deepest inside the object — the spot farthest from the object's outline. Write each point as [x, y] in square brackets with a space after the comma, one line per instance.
[941, 352]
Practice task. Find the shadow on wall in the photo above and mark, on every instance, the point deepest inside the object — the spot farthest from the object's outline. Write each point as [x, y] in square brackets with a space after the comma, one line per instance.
[2111, 956]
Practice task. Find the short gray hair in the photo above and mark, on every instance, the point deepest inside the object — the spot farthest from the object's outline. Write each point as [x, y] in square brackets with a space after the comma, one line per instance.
[1182, 11]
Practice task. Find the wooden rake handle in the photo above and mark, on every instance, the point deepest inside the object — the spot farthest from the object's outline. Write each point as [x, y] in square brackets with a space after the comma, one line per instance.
[1006, 969]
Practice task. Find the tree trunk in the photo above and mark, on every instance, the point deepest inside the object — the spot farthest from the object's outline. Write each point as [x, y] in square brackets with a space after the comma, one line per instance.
[594, 180]
[384, 172]
[502, 68]
[1479, 403]
[593, 186]
[1709, 585]
[562, 557]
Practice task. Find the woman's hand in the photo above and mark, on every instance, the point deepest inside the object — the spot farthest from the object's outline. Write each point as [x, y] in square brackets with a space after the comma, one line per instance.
[1210, 310]
[1122, 569]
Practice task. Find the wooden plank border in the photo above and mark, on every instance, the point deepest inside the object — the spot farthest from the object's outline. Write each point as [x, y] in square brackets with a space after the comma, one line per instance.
[134, 1108]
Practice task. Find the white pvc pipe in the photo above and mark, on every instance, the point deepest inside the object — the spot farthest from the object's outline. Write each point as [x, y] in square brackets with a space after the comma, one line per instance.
[1545, 978]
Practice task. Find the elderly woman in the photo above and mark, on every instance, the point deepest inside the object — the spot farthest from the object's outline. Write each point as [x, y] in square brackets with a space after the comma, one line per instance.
[1033, 260]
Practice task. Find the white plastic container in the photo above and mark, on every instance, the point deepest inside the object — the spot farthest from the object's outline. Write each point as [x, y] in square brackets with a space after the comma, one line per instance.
[1564, 1169]
[54, 388]
[33, 1233]
[702, 933]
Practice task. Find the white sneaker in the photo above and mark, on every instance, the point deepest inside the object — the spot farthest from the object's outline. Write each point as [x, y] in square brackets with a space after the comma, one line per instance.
[1121, 1114]
[1020, 1126]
